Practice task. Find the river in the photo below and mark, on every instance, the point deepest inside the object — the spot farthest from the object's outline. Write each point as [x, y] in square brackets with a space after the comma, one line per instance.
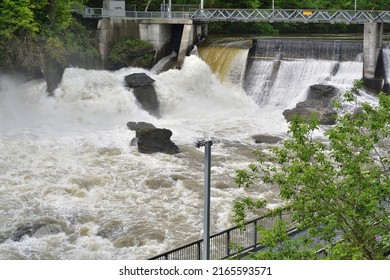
[69, 174]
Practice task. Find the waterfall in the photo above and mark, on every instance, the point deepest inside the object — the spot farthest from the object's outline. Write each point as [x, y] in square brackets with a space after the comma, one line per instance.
[67, 166]
[66, 163]
[163, 63]
[280, 71]
[227, 60]
[308, 49]
[386, 64]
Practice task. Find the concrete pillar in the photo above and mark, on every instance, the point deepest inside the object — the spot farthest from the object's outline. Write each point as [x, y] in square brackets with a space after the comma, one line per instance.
[104, 39]
[184, 44]
[372, 45]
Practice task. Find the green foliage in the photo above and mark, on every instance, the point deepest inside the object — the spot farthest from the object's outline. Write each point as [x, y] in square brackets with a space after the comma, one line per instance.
[35, 32]
[132, 53]
[242, 28]
[278, 245]
[243, 206]
[54, 50]
[81, 45]
[338, 187]
[17, 18]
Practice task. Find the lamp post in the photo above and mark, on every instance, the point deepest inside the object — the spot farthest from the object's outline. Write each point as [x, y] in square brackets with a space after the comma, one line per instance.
[201, 4]
[273, 4]
[355, 5]
[206, 220]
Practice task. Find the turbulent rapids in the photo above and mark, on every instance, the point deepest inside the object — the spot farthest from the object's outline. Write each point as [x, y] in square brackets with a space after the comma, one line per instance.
[70, 178]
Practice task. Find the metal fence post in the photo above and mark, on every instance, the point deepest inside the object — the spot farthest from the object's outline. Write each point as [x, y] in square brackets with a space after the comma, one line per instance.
[206, 222]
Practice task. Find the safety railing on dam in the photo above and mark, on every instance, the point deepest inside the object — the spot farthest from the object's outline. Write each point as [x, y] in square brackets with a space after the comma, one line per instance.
[302, 15]
[228, 243]
[244, 15]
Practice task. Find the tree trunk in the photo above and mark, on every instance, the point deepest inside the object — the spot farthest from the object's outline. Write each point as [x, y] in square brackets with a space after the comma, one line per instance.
[52, 9]
[147, 5]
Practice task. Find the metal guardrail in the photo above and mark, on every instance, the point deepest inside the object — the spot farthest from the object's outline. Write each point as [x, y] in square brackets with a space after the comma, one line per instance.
[303, 15]
[213, 15]
[159, 15]
[227, 243]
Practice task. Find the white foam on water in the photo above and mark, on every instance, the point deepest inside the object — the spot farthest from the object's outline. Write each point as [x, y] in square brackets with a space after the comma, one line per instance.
[68, 158]
[66, 161]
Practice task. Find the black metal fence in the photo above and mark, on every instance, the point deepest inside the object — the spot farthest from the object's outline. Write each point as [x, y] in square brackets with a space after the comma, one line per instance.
[227, 243]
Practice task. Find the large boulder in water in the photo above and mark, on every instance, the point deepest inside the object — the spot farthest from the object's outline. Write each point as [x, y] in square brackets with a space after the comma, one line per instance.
[150, 139]
[268, 139]
[52, 72]
[144, 92]
[318, 103]
[138, 80]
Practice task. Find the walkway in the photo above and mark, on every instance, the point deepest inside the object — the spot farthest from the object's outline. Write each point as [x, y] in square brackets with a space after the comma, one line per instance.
[229, 243]
[239, 15]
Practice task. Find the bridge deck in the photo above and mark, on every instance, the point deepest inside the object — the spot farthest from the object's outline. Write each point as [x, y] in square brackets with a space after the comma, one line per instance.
[232, 15]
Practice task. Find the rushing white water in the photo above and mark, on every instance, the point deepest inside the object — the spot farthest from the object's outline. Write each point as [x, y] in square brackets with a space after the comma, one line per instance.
[66, 163]
[386, 61]
[67, 166]
[227, 60]
[283, 84]
[162, 63]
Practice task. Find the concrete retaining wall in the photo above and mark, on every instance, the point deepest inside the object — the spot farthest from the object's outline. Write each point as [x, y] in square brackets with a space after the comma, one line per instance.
[113, 30]
[160, 33]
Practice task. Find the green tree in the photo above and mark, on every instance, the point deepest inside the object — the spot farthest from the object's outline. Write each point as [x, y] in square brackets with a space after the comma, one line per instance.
[34, 33]
[337, 189]
[17, 18]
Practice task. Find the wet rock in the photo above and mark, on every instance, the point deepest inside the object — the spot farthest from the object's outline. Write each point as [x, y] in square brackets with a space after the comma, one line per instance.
[262, 138]
[144, 92]
[138, 80]
[38, 229]
[318, 104]
[139, 126]
[150, 139]
[52, 72]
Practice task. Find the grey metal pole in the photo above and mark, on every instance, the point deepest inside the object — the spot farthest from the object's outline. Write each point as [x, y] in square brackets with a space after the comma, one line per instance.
[206, 229]
[273, 4]
[201, 4]
[355, 5]
[206, 220]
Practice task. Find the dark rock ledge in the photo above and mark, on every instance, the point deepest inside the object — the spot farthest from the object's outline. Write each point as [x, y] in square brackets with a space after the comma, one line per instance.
[318, 103]
[150, 139]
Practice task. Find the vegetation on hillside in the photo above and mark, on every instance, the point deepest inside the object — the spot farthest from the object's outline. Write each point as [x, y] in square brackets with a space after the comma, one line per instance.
[337, 189]
[33, 33]
[136, 53]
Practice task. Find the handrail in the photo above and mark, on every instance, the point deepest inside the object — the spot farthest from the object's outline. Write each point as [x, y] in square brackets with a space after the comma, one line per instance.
[248, 15]
[228, 243]
[292, 15]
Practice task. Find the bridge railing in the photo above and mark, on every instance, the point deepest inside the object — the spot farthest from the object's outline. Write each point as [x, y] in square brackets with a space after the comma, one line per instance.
[150, 15]
[227, 243]
[94, 12]
[212, 15]
[301, 15]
